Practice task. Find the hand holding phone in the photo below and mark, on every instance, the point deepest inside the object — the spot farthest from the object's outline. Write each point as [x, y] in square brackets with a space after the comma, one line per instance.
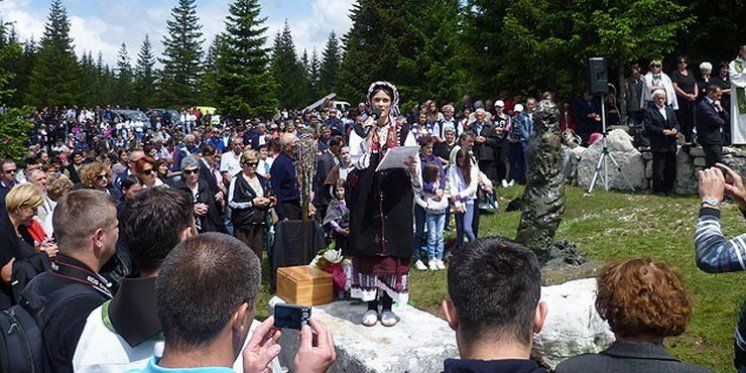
[291, 316]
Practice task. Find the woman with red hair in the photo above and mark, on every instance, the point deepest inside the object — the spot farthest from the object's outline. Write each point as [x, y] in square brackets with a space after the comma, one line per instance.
[644, 302]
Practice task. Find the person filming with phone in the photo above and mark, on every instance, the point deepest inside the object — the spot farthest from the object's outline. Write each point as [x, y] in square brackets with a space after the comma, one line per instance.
[206, 300]
[715, 253]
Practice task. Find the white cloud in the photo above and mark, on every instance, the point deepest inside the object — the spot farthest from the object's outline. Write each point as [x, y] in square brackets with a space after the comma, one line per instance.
[108, 23]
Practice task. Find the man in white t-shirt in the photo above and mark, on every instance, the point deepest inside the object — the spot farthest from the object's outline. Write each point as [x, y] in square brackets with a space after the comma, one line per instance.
[230, 164]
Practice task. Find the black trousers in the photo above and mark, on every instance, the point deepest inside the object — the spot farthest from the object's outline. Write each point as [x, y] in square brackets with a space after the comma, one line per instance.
[664, 172]
[685, 116]
[502, 160]
[488, 167]
[713, 154]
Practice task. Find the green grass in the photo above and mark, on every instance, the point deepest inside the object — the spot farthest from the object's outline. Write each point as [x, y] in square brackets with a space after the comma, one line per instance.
[610, 226]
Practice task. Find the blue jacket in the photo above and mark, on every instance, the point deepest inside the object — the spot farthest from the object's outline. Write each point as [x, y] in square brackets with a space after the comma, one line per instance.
[283, 181]
[525, 125]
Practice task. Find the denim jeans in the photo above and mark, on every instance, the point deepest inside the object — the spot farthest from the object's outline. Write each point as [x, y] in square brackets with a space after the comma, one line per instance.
[419, 231]
[435, 225]
[517, 160]
[464, 222]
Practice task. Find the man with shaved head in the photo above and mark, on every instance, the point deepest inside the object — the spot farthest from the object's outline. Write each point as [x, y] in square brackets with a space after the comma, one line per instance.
[283, 179]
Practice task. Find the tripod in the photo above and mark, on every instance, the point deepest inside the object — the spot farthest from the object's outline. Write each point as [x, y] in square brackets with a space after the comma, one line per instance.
[603, 161]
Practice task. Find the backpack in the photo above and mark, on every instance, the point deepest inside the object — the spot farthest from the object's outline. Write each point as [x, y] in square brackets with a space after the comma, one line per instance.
[21, 343]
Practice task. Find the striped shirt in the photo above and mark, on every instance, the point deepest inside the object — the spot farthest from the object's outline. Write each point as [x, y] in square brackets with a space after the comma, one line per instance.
[714, 253]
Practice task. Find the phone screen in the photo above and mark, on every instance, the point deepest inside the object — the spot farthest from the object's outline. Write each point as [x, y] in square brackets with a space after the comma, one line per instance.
[289, 316]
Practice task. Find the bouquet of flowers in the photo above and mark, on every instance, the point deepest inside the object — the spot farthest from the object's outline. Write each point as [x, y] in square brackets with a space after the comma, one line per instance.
[331, 260]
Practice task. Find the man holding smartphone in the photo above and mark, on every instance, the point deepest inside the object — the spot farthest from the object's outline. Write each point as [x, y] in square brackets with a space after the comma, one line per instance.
[716, 254]
[206, 297]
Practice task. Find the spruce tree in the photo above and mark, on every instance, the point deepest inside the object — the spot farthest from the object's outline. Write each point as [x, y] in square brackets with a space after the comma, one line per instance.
[207, 83]
[124, 78]
[181, 56]
[330, 65]
[91, 91]
[54, 76]
[145, 75]
[243, 84]
[313, 76]
[288, 72]
[20, 65]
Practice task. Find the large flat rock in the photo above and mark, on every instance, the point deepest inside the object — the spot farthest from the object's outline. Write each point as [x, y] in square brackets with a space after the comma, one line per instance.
[627, 156]
[572, 326]
[420, 342]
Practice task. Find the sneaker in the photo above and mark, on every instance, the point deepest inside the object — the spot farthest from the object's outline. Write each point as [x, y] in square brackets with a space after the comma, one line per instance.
[511, 183]
[433, 264]
[388, 318]
[441, 266]
[370, 318]
[420, 265]
[505, 183]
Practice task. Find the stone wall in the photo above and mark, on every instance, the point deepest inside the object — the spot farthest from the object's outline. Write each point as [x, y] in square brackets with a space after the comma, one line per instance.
[580, 164]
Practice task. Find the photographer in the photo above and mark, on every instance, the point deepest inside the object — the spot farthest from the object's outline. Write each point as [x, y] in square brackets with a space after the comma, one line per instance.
[715, 254]
[206, 323]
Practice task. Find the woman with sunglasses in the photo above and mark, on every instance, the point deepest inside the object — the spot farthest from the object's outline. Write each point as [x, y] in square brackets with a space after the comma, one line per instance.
[147, 169]
[249, 198]
[654, 80]
[98, 176]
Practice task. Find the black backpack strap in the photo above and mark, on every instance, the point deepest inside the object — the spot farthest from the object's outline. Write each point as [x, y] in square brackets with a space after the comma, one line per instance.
[43, 312]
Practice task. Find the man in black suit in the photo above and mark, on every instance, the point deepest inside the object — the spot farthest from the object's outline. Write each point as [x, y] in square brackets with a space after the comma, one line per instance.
[324, 164]
[711, 118]
[485, 144]
[662, 127]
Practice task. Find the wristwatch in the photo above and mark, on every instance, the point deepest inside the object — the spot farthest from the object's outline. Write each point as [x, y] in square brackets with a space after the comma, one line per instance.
[710, 202]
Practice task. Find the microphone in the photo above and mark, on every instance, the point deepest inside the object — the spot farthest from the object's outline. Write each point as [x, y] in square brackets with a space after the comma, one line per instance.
[371, 121]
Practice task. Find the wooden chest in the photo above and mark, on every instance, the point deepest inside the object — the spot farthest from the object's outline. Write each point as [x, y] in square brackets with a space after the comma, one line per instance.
[304, 285]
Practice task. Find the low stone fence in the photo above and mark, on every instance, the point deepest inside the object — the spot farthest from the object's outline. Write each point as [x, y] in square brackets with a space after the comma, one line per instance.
[580, 164]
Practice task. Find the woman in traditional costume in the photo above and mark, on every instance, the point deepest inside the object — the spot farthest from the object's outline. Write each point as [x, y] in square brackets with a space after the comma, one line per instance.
[381, 236]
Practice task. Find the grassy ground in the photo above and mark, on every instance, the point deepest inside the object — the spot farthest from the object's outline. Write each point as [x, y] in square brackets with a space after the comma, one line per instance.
[609, 226]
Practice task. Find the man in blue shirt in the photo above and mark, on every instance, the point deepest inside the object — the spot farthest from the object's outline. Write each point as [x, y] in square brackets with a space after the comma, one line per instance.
[284, 182]
[206, 322]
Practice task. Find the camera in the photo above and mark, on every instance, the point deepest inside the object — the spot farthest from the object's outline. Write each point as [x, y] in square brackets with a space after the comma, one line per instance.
[291, 316]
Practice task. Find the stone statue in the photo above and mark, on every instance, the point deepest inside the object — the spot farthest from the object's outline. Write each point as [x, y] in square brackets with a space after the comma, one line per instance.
[543, 200]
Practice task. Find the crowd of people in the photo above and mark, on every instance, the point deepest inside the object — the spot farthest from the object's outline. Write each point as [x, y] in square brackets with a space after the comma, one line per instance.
[140, 224]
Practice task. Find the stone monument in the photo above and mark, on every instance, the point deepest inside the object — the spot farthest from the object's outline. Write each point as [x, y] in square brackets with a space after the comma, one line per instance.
[543, 200]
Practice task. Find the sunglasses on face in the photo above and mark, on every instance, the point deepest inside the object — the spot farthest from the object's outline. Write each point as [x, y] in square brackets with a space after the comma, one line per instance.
[102, 177]
[251, 164]
[148, 172]
[11, 171]
[191, 172]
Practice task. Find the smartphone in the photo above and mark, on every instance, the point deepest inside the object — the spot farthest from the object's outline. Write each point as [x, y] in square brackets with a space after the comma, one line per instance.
[291, 316]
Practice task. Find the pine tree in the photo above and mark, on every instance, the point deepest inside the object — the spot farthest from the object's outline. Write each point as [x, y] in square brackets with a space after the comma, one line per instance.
[243, 85]
[288, 72]
[20, 66]
[181, 61]
[92, 91]
[313, 76]
[145, 75]
[54, 76]
[207, 83]
[124, 78]
[330, 64]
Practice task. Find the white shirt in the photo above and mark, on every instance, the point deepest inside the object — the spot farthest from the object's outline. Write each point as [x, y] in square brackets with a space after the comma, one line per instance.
[230, 163]
[102, 350]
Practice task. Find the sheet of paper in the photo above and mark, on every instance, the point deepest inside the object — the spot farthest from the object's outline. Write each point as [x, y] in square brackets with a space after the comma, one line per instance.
[396, 157]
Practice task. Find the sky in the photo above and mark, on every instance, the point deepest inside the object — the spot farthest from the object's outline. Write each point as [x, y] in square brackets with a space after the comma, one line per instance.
[103, 25]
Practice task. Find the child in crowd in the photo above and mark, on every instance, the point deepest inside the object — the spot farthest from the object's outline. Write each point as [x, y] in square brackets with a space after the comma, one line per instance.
[337, 219]
[435, 215]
